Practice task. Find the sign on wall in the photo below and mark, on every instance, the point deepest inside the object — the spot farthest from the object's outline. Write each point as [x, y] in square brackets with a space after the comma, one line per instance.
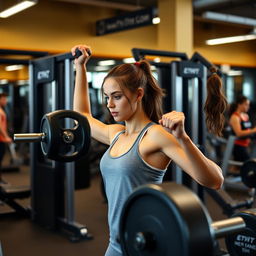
[129, 21]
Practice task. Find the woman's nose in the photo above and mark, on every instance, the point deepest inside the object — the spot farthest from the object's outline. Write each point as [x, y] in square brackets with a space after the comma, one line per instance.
[110, 103]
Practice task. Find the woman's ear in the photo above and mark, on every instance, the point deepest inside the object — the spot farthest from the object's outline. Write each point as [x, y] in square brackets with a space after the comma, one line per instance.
[140, 93]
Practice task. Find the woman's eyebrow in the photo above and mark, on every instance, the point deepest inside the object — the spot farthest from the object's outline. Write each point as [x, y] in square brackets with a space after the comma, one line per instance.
[112, 93]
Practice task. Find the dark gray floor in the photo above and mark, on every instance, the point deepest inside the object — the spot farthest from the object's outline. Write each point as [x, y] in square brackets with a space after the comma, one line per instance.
[22, 237]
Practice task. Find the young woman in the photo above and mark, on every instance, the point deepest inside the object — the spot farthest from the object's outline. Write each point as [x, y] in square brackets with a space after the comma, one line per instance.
[141, 149]
[241, 126]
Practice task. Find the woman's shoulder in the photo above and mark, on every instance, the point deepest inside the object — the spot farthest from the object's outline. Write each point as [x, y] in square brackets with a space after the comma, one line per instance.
[114, 129]
[159, 134]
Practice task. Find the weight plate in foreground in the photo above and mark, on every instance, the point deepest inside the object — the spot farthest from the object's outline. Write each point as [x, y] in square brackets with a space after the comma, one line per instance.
[244, 242]
[166, 219]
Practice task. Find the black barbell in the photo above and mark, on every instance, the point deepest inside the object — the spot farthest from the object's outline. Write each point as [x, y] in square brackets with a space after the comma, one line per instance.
[64, 135]
[169, 219]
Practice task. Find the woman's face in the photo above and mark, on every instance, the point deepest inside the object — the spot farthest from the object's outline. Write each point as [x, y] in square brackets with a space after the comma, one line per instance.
[3, 101]
[245, 106]
[121, 103]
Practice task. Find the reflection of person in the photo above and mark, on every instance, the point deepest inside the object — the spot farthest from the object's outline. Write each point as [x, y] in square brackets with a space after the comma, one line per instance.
[141, 149]
[241, 127]
[4, 137]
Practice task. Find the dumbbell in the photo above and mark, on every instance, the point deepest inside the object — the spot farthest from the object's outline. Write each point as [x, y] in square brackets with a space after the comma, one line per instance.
[58, 142]
[169, 219]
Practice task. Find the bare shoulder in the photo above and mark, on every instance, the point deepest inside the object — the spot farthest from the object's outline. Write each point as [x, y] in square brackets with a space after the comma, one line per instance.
[160, 135]
[113, 129]
[234, 118]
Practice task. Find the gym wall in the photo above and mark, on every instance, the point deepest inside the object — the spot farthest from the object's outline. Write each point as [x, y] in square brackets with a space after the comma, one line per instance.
[56, 26]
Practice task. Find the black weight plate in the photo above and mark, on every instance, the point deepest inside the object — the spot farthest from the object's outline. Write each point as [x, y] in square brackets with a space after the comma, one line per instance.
[47, 142]
[172, 220]
[54, 146]
[248, 173]
[244, 242]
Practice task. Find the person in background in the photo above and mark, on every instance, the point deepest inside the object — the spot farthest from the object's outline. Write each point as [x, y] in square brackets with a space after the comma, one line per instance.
[4, 137]
[241, 127]
[141, 149]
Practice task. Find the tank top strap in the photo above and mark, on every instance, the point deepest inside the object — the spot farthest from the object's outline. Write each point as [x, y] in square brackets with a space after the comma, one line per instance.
[116, 137]
[142, 132]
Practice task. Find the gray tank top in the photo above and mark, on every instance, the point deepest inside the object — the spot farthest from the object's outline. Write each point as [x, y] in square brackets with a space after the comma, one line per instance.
[121, 175]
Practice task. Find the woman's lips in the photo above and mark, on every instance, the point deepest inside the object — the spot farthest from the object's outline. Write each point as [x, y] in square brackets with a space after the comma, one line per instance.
[114, 113]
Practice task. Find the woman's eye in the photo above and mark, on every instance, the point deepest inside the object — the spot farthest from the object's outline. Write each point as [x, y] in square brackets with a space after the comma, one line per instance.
[118, 97]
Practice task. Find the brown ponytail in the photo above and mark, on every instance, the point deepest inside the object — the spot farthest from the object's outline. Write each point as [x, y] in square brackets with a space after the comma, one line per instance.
[139, 75]
[215, 104]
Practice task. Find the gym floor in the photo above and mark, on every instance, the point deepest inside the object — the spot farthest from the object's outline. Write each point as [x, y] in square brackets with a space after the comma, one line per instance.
[20, 236]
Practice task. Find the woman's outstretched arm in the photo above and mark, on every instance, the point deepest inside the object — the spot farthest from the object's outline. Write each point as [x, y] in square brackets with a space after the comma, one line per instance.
[177, 145]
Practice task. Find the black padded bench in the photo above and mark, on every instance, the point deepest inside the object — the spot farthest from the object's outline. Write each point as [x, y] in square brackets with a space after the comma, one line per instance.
[9, 193]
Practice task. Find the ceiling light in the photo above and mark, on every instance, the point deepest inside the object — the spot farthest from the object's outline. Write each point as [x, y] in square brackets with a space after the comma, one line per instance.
[229, 18]
[235, 73]
[17, 8]
[101, 68]
[231, 39]
[129, 60]
[3, 81]
[106, 62]
[22, 82]
[156, 20]
[14, 67]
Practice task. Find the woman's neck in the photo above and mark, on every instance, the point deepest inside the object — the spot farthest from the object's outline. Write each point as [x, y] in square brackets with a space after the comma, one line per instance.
[136, 123]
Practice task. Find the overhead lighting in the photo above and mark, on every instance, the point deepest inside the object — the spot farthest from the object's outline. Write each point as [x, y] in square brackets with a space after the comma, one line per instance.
[14, 67]
[106, 62]
[101, 68]
[231, 39]
[3, 81]
[22, 82]
[129, 60]
[235, 73]
[229, 18]
[156, 20]
[17, 8]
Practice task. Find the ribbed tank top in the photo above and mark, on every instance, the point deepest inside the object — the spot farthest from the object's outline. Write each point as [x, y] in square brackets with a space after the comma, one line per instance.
[121, 175]
[245, 125]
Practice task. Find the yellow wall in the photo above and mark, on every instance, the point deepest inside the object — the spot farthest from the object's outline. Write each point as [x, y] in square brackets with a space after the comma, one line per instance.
[21, 74]
[237, 54]
[57, 26]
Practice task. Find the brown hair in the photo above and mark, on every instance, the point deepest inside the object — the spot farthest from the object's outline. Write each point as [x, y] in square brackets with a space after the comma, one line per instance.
[3, 94]
[233, 106]
[139, 75]
[215, 104]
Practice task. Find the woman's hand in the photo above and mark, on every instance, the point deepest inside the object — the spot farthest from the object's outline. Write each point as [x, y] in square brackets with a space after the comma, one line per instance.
[86, 53]
[174, 122]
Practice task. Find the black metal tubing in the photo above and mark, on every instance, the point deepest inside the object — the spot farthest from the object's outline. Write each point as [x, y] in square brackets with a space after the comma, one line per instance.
[68, 56]
[14, 61]
[21, 52]
[139, 53]
[197, 57]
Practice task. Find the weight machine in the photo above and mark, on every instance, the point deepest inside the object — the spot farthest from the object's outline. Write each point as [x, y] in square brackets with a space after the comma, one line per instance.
[53, 182]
